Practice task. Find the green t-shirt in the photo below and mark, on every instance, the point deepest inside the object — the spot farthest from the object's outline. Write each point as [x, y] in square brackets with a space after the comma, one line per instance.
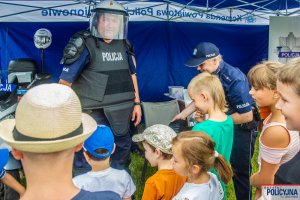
[222, 134]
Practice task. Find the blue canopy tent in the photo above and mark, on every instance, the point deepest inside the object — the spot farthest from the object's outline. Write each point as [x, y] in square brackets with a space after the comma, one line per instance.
[163, 33]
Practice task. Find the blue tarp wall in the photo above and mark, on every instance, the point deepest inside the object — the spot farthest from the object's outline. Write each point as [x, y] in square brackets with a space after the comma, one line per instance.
[161, 48]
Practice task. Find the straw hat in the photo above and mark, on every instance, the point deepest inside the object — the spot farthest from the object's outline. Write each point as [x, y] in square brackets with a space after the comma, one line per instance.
[48, 119]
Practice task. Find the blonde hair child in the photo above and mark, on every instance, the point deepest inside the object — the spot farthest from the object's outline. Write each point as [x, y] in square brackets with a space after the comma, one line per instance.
[208, 95]
[277, 144]
[194, 155]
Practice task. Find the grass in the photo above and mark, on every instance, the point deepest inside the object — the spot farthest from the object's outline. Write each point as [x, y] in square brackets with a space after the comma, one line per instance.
[136, 167]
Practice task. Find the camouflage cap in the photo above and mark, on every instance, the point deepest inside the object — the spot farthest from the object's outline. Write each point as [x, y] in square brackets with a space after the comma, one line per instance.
[159, 136]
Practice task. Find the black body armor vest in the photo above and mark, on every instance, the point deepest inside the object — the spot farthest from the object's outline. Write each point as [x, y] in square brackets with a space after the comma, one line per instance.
[106, 80]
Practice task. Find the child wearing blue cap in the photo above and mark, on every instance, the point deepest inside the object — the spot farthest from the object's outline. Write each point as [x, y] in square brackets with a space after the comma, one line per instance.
[97, 151]
[7, 179]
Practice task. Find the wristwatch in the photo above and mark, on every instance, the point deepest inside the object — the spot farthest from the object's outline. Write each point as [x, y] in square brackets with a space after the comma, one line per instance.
[137, 103]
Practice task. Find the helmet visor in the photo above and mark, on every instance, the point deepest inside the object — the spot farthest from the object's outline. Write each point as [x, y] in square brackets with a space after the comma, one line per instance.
[109, 25]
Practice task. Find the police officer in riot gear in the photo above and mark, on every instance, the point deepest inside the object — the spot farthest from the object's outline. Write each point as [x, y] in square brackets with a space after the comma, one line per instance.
[99, 65]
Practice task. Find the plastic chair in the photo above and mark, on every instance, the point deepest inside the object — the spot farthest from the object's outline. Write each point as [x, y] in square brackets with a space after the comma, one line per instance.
[158, 113]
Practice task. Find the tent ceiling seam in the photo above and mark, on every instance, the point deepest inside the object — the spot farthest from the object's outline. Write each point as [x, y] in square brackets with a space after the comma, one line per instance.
[257, 9]
[37, 8]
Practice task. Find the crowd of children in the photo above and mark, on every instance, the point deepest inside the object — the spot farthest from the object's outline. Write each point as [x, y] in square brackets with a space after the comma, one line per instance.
[190, 165]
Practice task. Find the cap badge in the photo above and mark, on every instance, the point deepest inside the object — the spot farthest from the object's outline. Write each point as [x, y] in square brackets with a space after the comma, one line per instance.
[195, 52]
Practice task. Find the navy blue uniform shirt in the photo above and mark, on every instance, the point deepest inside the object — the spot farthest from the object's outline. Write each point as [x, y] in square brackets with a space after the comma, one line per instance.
[236, 88]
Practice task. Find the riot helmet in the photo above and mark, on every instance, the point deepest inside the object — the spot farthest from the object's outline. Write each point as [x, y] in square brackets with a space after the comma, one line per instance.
[109, 20]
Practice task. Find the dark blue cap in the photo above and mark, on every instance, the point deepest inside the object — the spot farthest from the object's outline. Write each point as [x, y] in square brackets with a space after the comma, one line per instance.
[202, 52]
[4, 153]
[102, 138]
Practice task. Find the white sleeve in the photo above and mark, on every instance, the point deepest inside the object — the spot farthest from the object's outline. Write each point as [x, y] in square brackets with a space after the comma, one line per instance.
[272, 156]
[76, 181]
[129, 185]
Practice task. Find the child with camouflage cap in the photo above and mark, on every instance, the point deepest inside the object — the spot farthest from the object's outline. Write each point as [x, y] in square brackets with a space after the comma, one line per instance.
[165, 183]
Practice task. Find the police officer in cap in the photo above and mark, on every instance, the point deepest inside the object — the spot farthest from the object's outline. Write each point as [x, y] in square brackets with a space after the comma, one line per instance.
[241, 107]
[99, 65]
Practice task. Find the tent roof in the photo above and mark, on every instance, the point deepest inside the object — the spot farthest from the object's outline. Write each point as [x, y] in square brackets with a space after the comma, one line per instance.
[258, 8]
[276, 7]
[246, 4]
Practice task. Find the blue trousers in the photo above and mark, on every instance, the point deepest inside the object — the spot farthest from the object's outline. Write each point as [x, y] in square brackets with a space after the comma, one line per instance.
[120, 159]
[241, 154]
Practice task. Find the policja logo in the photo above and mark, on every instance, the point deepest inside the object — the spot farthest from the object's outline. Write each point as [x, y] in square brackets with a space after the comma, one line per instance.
[112, 56]
[288, 48]
[275, 192]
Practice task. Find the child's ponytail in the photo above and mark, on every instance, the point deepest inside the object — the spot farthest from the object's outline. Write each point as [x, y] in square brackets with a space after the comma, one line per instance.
[223, 168]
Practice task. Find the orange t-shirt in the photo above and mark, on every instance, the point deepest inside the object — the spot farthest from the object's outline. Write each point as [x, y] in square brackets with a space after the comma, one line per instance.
[264, 112]
[164, 184]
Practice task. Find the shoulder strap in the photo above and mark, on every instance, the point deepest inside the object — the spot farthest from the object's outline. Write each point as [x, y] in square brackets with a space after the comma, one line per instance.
[129, 47]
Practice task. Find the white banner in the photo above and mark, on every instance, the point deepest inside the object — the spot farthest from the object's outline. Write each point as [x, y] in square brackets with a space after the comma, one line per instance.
[284, 38]
[280, 192]
[59, 11]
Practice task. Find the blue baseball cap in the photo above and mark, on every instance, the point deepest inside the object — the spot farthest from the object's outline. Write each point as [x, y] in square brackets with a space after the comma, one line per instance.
[202, 52]
[4, 154]
[102, 138]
